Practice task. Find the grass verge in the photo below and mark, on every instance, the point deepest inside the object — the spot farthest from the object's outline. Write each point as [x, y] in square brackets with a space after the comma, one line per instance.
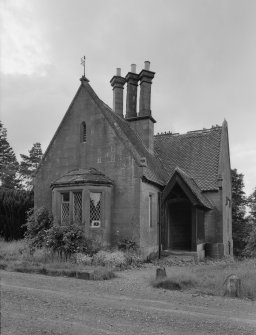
[15, 256]
[210, 278]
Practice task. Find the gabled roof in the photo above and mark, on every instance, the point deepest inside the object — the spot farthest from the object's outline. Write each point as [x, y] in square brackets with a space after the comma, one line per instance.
[197, 153]
[191, 186]
[82, 176]
[153, 171]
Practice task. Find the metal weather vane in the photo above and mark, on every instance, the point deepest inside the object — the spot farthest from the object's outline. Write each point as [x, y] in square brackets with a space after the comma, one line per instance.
[83, 63]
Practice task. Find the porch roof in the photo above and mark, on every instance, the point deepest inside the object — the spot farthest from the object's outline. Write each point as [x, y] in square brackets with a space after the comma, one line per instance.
[191, 184]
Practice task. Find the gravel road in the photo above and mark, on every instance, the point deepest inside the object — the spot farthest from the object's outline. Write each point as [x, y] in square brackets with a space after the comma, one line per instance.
[36, 304]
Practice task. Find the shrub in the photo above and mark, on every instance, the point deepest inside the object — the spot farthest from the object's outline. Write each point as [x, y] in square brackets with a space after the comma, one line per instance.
[133, 259]
[125, 245]
[83, 259]
[108, 258]
[67, 240]
[38, 222]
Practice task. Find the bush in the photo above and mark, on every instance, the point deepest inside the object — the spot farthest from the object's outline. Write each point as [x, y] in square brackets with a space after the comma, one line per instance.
[38, 222]
[125, 245]
[134, 259]
[67, 240]
[83, 259]
[108, 258]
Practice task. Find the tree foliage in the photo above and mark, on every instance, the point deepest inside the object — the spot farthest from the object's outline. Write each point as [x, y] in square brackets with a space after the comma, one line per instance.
[14, 205]
[239, 220]
[29, 164]
[38, 222]
[250, 240]
[8, 163]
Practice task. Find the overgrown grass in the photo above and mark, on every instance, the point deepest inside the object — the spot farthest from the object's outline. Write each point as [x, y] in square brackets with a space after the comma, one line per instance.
[16, 256]
[210, 278]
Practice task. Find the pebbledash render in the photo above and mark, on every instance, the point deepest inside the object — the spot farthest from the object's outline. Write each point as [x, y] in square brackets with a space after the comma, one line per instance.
[109, 173]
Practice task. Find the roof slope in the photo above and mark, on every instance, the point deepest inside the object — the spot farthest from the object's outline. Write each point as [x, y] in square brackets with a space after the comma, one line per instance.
[194, 188]
[197, 153]
[153, 171]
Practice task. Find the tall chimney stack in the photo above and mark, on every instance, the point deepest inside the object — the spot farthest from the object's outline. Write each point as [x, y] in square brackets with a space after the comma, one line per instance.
[117, 82]
[132, 79]
[145, 77]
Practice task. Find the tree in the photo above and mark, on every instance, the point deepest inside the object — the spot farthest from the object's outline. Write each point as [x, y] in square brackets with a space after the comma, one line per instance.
[14, 205]
[29, 164]
[239, 219]
[250, 240]
[8, 163]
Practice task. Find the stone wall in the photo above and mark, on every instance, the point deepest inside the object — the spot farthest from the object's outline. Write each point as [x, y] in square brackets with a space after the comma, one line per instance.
[148, 235]
[102, 150]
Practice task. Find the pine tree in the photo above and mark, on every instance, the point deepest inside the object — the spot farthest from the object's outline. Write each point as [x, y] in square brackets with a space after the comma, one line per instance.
[239, 219]
[29, 165]
[8, 163]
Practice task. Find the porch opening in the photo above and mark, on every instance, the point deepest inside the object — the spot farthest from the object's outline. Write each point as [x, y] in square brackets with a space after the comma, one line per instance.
[180, 226]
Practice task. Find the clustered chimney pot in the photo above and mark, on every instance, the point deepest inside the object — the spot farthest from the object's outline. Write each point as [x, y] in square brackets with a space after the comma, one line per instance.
[117, 82]
[133, 68]
[147, 65]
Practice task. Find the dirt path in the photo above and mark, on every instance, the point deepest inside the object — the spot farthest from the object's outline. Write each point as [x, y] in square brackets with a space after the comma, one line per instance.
[35, 304]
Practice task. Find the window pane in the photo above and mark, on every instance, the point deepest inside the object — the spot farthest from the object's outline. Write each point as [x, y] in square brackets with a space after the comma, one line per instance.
[65, 212]
[77, 210]
[65, 196]
[95, 209]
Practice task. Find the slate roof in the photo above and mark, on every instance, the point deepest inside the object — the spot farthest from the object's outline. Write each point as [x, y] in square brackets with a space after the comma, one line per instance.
[82, 176]
[196, 153]
[194, 188]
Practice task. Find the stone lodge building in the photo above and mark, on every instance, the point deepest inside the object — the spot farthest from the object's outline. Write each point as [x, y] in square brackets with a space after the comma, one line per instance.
[109, 173]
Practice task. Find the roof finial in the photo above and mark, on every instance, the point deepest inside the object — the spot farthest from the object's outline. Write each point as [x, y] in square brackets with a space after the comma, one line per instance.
[83, 63]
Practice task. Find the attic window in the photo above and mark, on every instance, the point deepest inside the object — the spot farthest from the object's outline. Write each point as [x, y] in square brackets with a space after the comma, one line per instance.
[83, 132]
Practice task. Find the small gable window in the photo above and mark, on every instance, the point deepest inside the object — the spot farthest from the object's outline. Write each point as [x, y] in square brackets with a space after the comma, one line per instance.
[83, 132]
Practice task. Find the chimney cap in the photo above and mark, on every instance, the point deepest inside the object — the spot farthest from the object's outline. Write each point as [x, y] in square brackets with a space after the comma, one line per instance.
[118, 71]
[147, 65]
[133, 68]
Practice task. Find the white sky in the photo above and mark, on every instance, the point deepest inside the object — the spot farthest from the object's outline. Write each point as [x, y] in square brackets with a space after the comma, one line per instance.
[203, 53]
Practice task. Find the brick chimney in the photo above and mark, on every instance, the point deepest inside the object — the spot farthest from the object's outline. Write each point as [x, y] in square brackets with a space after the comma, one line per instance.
[117, 82]
[143, 123]
[132, 79]
[145, 77]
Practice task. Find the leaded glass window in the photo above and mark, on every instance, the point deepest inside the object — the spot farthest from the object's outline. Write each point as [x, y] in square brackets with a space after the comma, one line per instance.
[95, 209]
[65, 207]
[77, 207]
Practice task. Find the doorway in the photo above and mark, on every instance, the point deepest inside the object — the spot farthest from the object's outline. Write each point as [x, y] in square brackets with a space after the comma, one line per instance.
[180, 226]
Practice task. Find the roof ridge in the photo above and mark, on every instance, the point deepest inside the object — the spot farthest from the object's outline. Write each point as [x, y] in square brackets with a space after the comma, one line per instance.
[192, 132]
